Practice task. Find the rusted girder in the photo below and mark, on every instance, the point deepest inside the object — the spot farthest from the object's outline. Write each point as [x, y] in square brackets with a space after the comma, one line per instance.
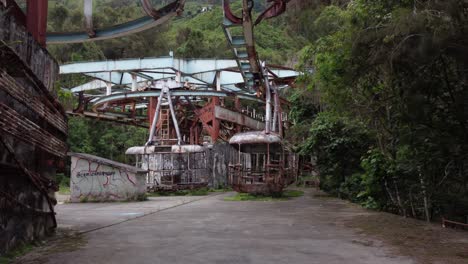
[237, 118]
[247, 25]
[277, 8]
[208, 119]
[149, 10]
[156, 14]
[229, 15]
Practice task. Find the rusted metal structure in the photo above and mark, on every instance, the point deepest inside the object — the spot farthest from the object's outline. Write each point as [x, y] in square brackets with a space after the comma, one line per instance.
[208, 95]
[33, 126]
[172, 167]
[259, 166]
[191, 101]
[184, 103]
[243, 45]
[263, 165]
[261, 162]
[154, 17]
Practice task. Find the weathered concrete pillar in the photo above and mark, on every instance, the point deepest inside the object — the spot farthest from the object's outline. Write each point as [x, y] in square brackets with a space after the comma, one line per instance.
[218, 81]
[178, 76]
[108, 88]
[134, 83]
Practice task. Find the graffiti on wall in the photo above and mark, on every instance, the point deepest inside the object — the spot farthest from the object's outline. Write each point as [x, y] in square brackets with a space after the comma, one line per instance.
[93, 181]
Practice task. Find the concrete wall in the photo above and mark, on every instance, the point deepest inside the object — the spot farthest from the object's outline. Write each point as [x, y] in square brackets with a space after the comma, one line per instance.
[24, 212]
[92, 180]
[33, 127]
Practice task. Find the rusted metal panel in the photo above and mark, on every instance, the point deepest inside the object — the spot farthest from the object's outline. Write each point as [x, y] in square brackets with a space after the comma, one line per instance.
[237, 118]
[15, 124]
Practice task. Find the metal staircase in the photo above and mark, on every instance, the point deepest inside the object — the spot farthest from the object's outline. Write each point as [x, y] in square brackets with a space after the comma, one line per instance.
[164, 125]
[242, 47]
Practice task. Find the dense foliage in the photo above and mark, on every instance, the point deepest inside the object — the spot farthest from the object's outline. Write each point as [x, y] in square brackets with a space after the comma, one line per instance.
[400, 68]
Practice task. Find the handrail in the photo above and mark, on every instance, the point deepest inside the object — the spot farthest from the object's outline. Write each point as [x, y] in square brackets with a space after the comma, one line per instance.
[445, 221]
[134, 26]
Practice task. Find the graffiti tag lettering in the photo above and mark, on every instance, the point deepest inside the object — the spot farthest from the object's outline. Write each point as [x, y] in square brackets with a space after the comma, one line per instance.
[95, 173]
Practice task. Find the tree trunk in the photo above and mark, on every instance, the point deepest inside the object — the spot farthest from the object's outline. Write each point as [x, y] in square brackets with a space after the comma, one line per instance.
[425, 198]
[400, 204]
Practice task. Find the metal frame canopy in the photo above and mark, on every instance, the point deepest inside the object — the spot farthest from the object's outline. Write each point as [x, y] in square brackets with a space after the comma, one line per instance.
[134, 75]
[121, 90]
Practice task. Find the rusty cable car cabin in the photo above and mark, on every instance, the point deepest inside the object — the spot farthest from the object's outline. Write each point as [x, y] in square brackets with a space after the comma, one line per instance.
[262, 165]
[172, 167]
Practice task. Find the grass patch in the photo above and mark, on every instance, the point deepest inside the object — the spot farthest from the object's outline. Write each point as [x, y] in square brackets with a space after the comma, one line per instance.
[63, 183]
[286, 195]
[64, 188]
[64, 240]
[19, 251]
[194, 192]
[138, 198]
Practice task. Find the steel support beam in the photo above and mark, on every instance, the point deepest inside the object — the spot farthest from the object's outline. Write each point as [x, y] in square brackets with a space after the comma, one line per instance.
[222, 113]
[37, 20]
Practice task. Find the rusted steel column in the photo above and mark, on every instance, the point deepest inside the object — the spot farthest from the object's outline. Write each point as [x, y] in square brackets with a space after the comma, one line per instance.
[276, 109]
[134, 83]
[153, 101]
[216, 124]
[191, 140]
[237, 105]
[173, 114]
[267, 99]
[155, 119]
[37, 20]
[108, 88]
[280, 117]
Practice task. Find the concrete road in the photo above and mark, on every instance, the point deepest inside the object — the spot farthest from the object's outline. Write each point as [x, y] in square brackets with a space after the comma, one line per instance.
[211, 230]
